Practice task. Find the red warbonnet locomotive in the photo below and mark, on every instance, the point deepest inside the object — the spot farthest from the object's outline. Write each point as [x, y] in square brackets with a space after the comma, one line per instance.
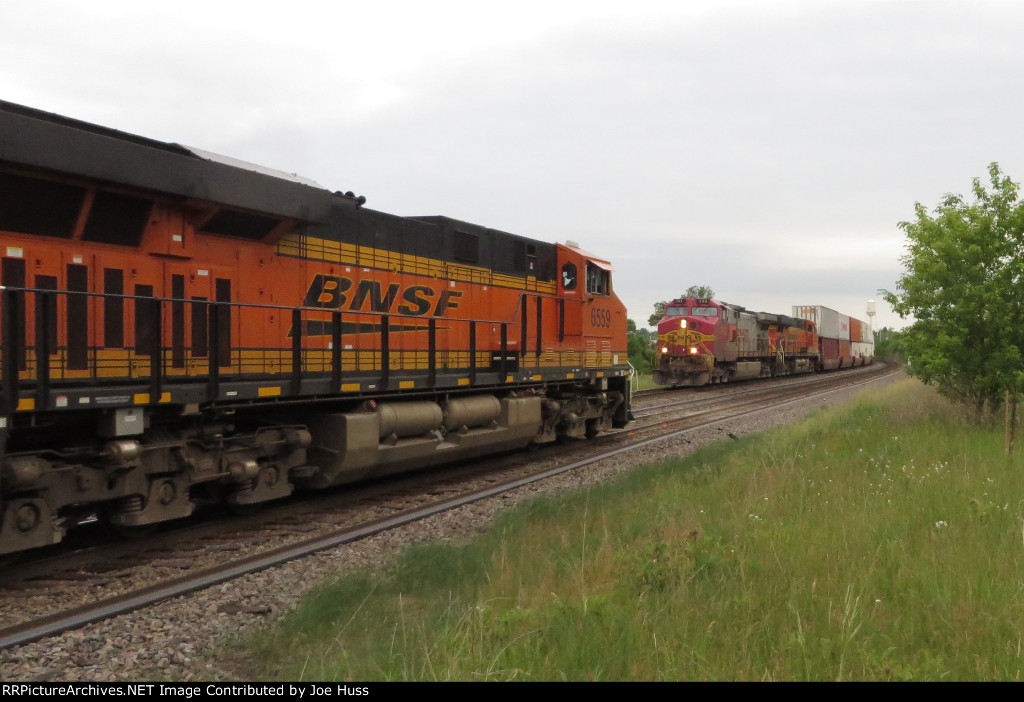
[177, 327]
[707, 341]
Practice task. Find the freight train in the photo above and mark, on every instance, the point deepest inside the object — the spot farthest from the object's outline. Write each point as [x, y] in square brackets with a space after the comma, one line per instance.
[702, 341]
[180, 328]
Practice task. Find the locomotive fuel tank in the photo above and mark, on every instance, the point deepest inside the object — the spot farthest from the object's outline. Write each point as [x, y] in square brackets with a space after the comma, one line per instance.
[180, 328]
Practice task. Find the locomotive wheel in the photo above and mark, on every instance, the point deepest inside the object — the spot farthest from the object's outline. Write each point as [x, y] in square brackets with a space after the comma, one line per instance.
[129, 533]
[125, 531]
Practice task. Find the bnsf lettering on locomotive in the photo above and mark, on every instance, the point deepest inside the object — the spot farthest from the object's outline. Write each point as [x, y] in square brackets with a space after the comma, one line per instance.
[326, 291]
[378, 302]
[290, 367]
[449, 300]
[332, 292]
[417, 299]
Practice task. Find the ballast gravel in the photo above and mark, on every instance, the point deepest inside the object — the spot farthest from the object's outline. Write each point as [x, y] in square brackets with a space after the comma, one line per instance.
[181, 639]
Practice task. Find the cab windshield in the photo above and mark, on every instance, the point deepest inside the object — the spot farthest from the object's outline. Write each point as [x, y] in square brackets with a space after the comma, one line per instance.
[705, 312]
[676, 311]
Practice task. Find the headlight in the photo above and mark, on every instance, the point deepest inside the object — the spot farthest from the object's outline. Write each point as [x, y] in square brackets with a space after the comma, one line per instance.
[693, 349]
[664, 349]
[682, 324]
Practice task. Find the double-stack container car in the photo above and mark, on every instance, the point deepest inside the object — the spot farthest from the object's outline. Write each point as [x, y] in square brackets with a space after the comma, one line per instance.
[844, 341]
[703, 341]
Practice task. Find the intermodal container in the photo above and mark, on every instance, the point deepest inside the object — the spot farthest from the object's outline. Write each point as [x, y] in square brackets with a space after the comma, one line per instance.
[830, 323]
[845, 354]
[863, 352]
[856, 330]
[868, 335]
[829, 349]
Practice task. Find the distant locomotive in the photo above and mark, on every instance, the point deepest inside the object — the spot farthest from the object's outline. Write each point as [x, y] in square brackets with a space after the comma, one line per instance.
[707, 341]
[177, 327]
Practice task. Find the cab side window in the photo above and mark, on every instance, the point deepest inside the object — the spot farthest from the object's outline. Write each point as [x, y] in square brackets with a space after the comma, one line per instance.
[598, 280]
[569, 276]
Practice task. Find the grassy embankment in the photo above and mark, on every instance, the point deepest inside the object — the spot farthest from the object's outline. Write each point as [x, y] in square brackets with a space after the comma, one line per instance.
[880, 541]
[644, 382]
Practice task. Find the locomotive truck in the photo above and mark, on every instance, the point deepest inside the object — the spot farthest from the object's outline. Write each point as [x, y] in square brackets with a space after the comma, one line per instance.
[180, 328]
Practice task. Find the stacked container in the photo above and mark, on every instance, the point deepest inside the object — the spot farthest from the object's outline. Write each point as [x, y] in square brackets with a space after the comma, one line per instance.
[843, 341]
[864, 350]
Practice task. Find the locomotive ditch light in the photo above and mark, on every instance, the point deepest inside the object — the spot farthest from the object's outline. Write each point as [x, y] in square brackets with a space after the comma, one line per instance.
[693, 349]
[664, 349]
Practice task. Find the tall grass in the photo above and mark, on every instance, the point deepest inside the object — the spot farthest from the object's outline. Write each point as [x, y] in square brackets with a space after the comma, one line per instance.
[644, 381]
[882, 541]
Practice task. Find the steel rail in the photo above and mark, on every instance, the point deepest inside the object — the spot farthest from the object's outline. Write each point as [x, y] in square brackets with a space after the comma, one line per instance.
[738, 392]
[52, 625]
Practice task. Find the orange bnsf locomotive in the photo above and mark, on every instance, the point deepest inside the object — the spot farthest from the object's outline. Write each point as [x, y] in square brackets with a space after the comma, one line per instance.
[707, 341]
[177, 328]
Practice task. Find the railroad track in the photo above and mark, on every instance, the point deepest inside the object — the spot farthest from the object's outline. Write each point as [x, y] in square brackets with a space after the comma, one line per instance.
[203, 555]
[653, 402]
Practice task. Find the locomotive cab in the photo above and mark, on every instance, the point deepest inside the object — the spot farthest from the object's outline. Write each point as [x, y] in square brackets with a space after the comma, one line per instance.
[688, 335]
[179, 328]
[589, 319]
[704, 341]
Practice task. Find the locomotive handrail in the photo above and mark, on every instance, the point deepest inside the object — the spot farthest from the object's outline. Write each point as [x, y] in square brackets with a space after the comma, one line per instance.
[254, 305]
[522, 312]
[216, 355]
[13, 343]
[10, 323]
[180, 352]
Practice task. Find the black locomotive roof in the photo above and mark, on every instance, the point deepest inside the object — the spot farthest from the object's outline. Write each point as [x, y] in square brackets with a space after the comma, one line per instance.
[52, 142]
[452, 224]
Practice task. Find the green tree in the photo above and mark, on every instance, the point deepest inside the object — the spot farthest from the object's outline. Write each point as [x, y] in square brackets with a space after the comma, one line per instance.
[641, 355]
[889, 345]
[962, 284]
[702, 292]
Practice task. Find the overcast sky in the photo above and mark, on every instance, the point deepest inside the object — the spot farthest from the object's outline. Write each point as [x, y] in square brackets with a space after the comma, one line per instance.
[768, 149]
